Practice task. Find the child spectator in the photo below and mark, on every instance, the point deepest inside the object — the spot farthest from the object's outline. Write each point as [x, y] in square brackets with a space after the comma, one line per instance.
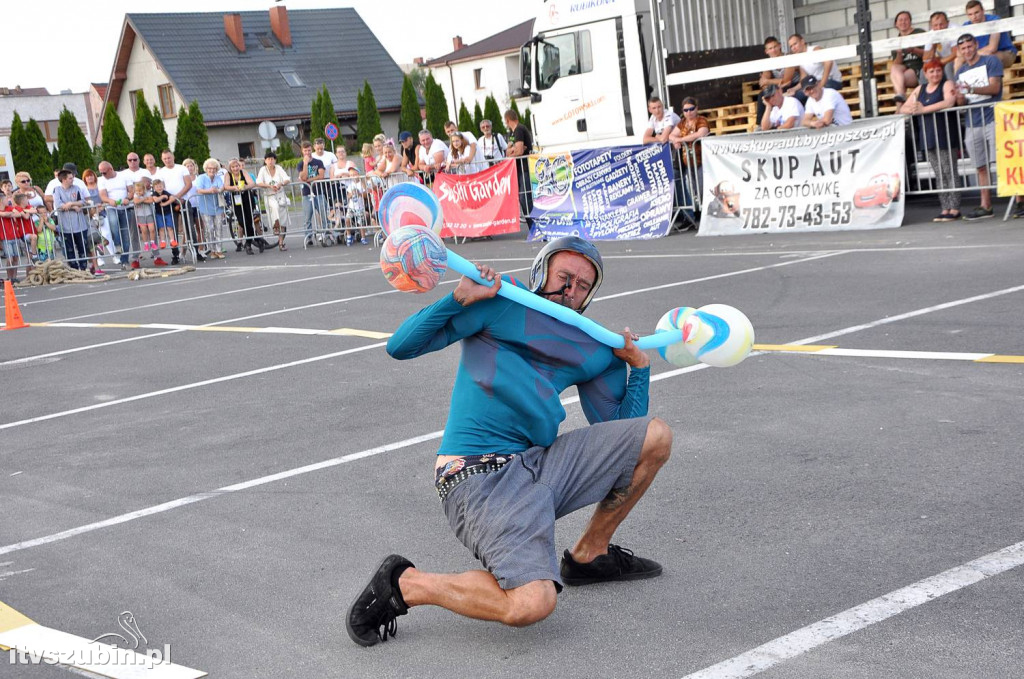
[211, 212]
[145, 217]
[163, 207]
[11, 229]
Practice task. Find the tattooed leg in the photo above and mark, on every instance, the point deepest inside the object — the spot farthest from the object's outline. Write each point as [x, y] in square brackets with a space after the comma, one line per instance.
[615, 507]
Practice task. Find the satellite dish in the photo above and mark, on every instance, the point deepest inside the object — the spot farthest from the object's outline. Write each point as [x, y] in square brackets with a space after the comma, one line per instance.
[291, 131]
[268, 130]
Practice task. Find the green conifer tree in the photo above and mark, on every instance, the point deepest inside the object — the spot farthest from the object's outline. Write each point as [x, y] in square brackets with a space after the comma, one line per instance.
[437, 107]
[159, 134]
[409, 120]
[316, 124]
[199, 138]
[116, 144]
[142, 134]
[74, 148]
[465, 121]
[192, 140]
[37, 160]
[180, 152]
[478, 115]
[19, 156]
[368, 117]
[497, 117]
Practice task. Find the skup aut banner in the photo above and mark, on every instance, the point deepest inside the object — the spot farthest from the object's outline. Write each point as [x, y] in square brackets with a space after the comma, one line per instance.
[834, 179]
[619, 193]
[481, 204]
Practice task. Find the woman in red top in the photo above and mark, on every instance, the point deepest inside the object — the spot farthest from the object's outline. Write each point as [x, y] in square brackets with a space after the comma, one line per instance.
[15, 222]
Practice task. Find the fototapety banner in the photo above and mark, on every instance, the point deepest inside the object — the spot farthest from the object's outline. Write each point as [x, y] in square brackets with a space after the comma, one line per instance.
[620, 193]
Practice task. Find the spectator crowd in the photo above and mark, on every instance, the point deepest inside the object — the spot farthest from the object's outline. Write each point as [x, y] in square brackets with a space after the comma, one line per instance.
[145, 214]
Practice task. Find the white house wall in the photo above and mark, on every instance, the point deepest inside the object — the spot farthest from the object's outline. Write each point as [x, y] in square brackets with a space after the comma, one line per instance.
[143, 73]
[45, 107]
[494, 80]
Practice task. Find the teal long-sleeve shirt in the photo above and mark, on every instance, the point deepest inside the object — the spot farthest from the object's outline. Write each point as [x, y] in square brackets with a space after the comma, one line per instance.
[515, 364]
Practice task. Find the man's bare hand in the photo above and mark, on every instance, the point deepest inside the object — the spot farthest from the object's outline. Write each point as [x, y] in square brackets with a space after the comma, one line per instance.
[469, 291]
[630, 353]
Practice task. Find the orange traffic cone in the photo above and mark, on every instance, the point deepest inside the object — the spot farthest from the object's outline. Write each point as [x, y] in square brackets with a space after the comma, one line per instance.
[13, 318]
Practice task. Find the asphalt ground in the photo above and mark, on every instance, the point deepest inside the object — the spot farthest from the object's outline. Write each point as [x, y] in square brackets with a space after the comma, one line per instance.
[801, 486]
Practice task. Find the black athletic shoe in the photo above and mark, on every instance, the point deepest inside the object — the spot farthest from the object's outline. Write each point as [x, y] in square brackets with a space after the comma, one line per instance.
[372, 615]
[617, 564]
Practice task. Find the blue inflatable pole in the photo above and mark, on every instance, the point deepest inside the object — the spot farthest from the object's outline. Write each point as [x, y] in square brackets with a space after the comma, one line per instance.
[564, 314]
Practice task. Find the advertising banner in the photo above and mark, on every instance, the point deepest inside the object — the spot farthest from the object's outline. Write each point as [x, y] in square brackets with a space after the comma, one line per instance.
[833, 179]
[621, 193]
[1010, 148]
[481, 204]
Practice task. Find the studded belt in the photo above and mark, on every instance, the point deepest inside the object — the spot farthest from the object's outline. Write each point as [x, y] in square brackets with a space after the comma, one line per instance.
[460, 469]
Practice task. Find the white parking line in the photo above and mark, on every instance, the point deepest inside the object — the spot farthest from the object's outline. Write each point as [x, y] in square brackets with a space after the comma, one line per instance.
[346, 458]
[798, 642]
[250, 288]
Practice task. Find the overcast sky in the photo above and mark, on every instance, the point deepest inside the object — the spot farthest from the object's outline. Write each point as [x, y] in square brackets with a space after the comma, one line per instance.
[78, 44]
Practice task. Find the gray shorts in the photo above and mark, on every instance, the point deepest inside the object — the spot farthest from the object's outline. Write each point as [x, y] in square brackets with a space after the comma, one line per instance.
[507, 517]
[981, 145]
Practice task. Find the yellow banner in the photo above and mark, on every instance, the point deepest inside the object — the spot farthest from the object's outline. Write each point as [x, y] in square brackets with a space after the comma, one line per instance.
[1010, 147]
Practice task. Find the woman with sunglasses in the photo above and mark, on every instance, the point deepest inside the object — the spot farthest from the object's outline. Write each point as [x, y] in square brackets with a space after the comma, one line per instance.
[24, 185]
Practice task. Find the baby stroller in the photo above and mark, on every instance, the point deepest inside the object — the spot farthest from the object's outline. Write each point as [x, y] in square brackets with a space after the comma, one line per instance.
[356, 218]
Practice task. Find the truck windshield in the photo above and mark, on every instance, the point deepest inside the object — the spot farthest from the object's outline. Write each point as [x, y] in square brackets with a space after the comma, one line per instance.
[556, 58]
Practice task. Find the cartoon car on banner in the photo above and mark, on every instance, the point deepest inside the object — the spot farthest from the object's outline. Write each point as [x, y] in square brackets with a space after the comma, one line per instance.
[879, 192]
[726, 201]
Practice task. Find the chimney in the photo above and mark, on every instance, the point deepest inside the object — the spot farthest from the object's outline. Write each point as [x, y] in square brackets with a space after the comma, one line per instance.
[457, 43]
[279, 24]
[233, 29]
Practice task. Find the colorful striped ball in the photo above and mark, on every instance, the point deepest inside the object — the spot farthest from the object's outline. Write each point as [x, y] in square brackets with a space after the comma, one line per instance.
[719, 335]
[676, 353]
[413, 259]
[410, 204]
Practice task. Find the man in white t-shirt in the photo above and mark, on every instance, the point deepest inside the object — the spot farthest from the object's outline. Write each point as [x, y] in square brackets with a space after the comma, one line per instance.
[780, 112]
[431, 153]
[324, 156]
[661, 122]
[821, 70]
[177, 182]
[824, 105]
[114, 188]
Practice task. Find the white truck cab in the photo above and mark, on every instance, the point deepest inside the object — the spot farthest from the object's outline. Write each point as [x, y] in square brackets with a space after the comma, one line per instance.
[589, 71]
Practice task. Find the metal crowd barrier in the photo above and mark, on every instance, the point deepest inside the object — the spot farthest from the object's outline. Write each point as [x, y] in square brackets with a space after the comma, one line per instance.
[945, 152]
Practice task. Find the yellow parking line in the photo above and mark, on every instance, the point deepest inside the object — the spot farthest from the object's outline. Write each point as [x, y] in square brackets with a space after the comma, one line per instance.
[369, 334]
[996, 358]
[792, 347]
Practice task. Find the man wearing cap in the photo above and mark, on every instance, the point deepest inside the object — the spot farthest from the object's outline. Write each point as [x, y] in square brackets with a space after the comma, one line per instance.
[781, 112]
[408, 144]
[979, 81]
[54, 183]
[825, 106]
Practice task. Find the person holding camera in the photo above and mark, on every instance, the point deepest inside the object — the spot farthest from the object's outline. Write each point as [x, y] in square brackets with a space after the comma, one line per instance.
[491, 145]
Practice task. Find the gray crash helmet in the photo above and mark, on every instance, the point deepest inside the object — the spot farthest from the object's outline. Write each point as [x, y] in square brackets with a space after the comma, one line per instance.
[539, 270]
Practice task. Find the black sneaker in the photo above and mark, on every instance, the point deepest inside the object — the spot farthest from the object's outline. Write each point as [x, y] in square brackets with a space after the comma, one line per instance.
[617, 564]
[372, 615]
[978, 213]
[175, 260]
